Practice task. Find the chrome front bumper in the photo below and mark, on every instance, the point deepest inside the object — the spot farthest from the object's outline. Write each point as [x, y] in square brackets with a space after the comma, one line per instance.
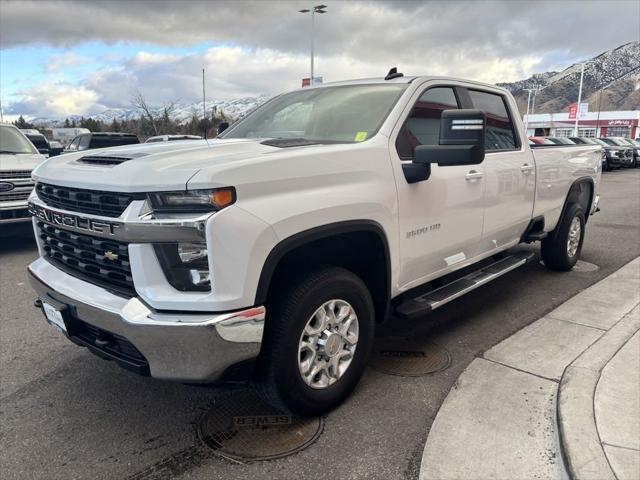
[178, 346]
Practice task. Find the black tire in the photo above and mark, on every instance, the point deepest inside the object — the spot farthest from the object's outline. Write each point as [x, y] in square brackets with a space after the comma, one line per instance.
[554, 248]
[279, 381]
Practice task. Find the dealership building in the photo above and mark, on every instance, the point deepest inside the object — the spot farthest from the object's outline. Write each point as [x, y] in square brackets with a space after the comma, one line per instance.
[591, 124]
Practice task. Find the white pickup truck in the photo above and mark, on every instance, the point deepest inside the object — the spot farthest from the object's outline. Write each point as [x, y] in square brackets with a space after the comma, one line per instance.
[18, 157]
[280, 245]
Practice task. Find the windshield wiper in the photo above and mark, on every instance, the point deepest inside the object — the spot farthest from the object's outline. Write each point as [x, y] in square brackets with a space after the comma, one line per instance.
[10, 151]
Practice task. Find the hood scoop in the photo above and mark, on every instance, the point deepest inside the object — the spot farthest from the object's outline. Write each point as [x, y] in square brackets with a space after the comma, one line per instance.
[109, 159]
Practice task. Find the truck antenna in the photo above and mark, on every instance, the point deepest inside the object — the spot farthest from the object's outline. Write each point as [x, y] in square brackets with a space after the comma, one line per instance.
[204, 109]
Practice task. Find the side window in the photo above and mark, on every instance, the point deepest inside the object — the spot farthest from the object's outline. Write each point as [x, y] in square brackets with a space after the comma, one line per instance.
[422, 127]
[499, 134]
[84, 142]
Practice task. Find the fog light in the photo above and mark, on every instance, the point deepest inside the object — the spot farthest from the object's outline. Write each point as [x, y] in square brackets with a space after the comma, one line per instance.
[190, 252]
[200, 278]
[185, 265]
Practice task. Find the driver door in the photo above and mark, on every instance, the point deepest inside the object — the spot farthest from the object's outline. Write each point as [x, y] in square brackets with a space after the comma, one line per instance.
[441, 218]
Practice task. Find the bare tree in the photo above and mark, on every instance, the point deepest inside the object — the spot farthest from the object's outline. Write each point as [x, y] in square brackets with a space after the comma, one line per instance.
[158, 120]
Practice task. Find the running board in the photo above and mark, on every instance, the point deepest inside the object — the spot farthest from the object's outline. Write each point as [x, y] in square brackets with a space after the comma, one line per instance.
[425, 303]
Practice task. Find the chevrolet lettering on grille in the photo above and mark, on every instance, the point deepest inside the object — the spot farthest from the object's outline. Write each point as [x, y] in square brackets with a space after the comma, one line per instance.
[73, 221]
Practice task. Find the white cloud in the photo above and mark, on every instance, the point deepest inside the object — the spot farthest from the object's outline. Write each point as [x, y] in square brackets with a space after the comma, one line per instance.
[56, 100]
[264, 45]
[64, 61]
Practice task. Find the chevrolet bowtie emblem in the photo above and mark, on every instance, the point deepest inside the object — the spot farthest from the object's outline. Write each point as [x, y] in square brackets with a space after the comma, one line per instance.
[110, 256]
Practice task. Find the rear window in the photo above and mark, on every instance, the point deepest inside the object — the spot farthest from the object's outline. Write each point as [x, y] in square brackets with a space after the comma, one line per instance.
[104, 142]
[39, 141]
[500, 133]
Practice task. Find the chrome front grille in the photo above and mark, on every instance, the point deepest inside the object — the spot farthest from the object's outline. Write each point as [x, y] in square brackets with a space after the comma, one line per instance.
[96, 260]
[101, 203]
[22, 185]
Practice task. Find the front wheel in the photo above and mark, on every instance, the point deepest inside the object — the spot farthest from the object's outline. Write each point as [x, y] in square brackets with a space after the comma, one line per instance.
[318, 336]
[562, 250]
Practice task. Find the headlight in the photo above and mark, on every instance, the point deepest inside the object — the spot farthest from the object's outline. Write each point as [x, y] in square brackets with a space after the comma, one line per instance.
[191, 201]
[186, 265]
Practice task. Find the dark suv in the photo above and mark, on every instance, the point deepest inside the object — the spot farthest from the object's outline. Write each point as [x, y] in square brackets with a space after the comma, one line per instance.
[626, 150]
[89, 141]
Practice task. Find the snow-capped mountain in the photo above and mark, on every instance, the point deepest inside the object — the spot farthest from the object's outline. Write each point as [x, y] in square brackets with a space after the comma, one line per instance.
[616, 70]
[232, 108]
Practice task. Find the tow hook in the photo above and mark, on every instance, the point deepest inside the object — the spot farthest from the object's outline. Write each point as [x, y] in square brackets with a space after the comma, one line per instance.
[37, 303]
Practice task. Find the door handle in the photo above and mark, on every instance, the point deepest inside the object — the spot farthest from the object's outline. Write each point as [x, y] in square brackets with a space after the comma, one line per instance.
[473, 175]
[526, 168]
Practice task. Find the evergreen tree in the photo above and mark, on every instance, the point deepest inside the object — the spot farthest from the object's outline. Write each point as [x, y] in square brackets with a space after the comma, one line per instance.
[22, 123]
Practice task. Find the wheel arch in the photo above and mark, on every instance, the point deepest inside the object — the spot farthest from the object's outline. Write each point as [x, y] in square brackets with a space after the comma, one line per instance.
[334, 244]
[582, 191]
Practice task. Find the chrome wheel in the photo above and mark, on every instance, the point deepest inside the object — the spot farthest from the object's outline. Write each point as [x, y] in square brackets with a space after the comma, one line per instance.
[328, 343]
[573, 242]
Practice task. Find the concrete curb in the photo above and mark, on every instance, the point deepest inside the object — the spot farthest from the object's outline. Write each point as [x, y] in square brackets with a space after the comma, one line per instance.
[526, 408]
[582, 448]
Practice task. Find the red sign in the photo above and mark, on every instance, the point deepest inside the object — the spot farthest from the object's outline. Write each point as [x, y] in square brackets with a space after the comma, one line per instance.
[306, 82]
[573, 111]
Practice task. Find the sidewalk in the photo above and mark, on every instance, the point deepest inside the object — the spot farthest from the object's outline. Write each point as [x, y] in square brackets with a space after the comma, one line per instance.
[558, 399]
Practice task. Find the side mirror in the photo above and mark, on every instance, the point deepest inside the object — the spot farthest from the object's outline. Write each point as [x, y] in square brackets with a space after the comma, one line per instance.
[461, 140]
[222, 127]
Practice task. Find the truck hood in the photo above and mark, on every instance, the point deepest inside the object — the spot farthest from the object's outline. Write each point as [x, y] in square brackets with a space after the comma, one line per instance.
[22, 161]
[146, 167]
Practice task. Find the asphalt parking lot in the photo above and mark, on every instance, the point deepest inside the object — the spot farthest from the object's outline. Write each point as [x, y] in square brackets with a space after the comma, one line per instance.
[67, 414]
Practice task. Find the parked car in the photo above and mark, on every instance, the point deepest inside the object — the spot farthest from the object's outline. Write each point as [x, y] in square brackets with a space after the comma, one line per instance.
[282, 243]
[541, 141]
[626, 150]
[90, 141]
[55, 148]
[18, 157]
[615, 156]
[560, 140]
[633, 145]
[39, 141]
[170, 138]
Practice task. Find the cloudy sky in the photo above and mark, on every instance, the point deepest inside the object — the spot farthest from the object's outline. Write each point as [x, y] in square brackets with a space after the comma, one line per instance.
[81, 57]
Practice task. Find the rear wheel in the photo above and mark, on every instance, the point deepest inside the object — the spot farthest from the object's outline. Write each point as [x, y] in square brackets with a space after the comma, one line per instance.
[562, 250]
[318, 336]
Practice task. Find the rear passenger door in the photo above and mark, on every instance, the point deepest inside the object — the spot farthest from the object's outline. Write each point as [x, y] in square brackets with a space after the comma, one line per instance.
[441, 217]
[510, 174]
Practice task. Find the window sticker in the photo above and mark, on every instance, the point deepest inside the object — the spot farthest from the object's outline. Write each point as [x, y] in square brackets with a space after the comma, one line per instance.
[360, 137]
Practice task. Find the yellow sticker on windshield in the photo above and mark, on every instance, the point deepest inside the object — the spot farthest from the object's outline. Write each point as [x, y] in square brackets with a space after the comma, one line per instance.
[360, 137]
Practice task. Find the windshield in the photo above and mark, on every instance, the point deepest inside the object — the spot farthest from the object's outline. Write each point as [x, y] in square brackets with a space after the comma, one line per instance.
[601, 142]
[341, 114]
[12, 141]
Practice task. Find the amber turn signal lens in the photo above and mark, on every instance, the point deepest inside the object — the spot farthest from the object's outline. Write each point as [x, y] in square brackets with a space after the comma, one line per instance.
[222, 197]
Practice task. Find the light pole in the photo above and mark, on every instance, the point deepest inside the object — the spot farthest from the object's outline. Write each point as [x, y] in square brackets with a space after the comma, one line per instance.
[313, 11]
[575, 127]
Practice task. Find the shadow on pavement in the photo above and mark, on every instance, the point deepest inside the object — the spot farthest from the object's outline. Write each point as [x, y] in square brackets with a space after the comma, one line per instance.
[16, 237]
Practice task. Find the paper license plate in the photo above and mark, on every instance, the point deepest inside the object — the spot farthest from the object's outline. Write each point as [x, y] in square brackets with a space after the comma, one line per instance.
[54, 316]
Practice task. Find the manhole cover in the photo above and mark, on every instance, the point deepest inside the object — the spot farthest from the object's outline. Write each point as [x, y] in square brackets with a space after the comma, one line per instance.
[408, 357]
[241, 427]
[584, 267]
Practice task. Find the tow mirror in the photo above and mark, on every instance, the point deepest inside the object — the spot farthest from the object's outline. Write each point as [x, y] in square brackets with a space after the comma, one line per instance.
[461, 142]
[222, 127]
